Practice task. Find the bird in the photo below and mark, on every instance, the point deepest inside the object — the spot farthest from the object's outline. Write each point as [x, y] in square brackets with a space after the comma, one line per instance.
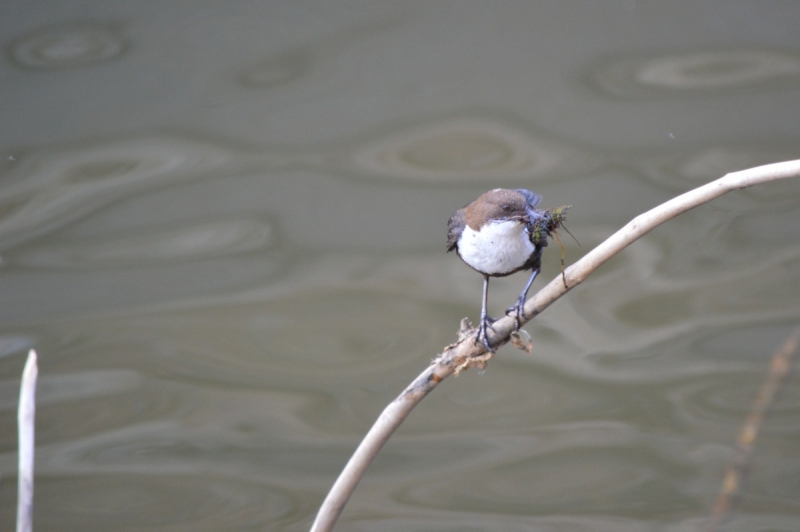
[496, 235]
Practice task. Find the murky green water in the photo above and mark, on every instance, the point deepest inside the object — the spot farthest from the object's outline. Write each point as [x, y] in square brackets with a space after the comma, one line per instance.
[222, 227]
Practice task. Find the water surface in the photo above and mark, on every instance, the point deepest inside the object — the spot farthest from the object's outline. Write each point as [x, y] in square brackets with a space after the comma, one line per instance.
[222, 227]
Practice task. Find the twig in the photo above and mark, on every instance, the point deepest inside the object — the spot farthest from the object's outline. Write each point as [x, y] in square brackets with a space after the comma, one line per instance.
[465, 353]
[778, 369]
[25, 418]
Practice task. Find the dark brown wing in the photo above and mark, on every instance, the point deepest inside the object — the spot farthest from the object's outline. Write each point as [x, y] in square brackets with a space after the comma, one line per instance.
[455, 226]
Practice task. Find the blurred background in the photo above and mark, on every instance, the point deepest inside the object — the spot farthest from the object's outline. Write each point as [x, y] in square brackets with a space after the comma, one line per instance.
[222, 227]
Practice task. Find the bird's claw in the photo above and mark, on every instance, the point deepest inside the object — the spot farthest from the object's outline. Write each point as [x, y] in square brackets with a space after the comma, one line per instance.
[519, 312]
[486, 323]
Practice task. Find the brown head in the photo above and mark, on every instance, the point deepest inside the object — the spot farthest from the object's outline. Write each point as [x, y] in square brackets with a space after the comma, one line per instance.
[497, 204]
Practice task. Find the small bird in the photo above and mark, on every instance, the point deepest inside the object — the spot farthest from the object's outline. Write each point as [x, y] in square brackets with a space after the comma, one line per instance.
[497, 235]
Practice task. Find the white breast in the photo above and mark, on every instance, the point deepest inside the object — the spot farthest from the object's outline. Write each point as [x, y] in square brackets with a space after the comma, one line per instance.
[497, 248]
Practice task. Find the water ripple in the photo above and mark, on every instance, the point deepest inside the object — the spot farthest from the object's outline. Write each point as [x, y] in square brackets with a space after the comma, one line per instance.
[157, 502]
[605, 468]
[726, 400]
[423, 520]
[681, 170]
[692, 72]
[281, 339]
[47, 189]
[67, 46]
[470, 149]
[203, 240]
[52, 389]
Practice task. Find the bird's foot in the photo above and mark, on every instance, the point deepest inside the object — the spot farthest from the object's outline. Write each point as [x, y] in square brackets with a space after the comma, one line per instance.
[519, 312]
[486, 323]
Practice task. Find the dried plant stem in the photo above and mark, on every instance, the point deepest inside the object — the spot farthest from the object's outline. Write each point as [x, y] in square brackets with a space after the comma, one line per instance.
[779, 367]
[391, 418]
[644, 223]
[26, 417]
[465, 353]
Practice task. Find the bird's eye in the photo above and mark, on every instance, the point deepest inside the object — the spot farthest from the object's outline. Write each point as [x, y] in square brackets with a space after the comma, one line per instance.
[506, 207]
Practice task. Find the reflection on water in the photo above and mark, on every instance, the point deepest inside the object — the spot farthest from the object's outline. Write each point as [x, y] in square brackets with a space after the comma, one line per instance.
[314, 62]
[48, 189]
[681, 170]
[724, 401]
[212, 502]
[69, 387]
[67, 46]
[228, 250]
[585, 467]
[203, 240]
[698, 71]
[471, 149]
[244, 360]
[219, 393]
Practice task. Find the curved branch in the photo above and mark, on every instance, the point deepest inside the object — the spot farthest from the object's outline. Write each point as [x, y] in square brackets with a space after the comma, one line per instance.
[465, 353]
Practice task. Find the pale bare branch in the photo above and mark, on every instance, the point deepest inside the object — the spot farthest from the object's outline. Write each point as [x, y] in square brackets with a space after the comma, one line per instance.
[465, 353]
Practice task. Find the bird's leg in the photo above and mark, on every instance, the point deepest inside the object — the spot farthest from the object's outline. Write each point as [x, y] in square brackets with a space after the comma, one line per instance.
[518, 308]
[486, 321]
